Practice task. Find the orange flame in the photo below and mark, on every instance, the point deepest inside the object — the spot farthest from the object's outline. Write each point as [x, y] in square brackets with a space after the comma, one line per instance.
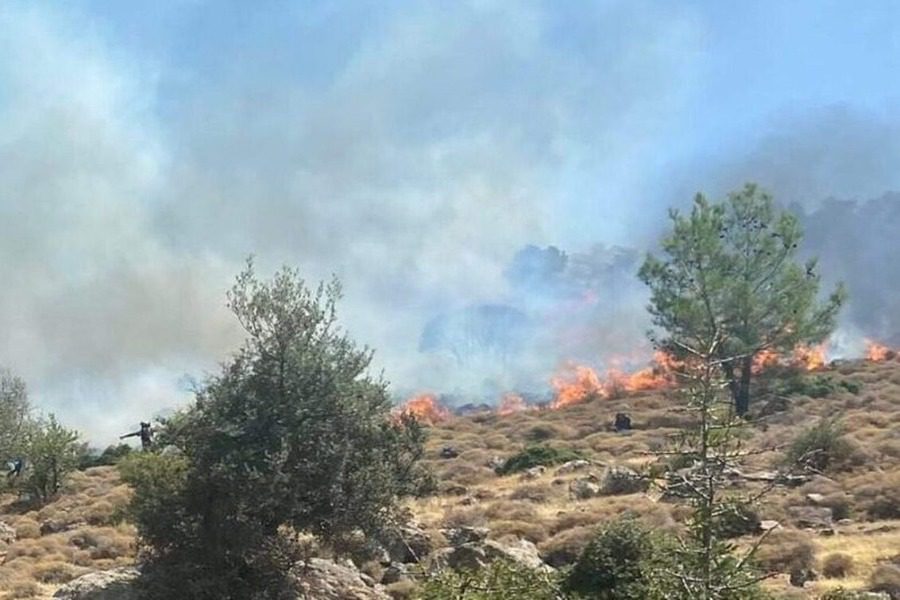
[579, 383]
[810, 357]
[877, 352]
[511, 403]
[764, 359]
[425, 408]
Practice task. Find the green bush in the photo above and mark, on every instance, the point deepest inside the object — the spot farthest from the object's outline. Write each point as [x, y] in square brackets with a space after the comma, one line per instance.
[535, 456]
[816, 386]
[500, 580]
[820, 447]
[110, 456]
[620, 563]
[293, 436]
[53, 454]
[737, 519]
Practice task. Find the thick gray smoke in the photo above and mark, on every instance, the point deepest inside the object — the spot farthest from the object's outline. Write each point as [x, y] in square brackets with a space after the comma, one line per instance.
[431, 156]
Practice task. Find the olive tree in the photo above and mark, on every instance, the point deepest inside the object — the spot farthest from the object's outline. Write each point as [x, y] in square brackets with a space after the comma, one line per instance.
[730, 269]
[292, 436]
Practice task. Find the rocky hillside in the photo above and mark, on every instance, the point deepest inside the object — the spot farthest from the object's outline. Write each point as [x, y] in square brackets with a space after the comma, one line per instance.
[837, 528]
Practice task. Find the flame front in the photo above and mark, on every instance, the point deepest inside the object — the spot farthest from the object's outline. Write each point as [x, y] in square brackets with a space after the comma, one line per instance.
[425, 408]
[810, 358]
[580, 383]
[877, 352]
[511, 403]
[764, 359]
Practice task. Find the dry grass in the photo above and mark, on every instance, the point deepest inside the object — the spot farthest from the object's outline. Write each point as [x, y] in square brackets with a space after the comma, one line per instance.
[83, 529]
[78, 533]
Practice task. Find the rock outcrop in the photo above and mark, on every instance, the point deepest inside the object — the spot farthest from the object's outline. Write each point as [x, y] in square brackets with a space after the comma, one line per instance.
[115, 584]
[321, 579]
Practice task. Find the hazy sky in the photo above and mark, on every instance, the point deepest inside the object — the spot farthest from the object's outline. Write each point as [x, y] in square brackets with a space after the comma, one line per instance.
[409, 147]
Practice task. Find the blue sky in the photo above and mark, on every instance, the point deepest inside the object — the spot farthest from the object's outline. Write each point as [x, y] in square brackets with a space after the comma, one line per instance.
[411, 148]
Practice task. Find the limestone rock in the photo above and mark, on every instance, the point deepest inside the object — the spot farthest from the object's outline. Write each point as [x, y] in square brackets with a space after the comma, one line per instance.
[622, 480]
[7, 533]
[116, 584]
[572, 466]
[407, 544]
[320, 579]
[582, 489]
[457, 536]
[811, 517]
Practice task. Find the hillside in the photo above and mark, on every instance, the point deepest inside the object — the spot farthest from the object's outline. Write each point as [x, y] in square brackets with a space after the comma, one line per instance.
[83, 530]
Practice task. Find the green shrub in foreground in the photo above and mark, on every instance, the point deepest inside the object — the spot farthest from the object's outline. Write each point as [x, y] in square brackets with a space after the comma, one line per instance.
[537, 456]
[501, 580]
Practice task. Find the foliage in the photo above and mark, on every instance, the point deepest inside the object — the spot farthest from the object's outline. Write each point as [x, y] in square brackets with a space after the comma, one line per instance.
[52, 453]
[293, 436]
[820, 446]
[111, 455]
[620, 563]
[535, 456]
[15, 416]
[500, 580]
[157, 505]
[729, 270]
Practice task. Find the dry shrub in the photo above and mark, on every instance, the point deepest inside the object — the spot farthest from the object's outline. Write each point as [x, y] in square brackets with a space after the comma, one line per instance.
[571, 520]
[497, 441]
[878, 495]
[528, 530]
[464, 517]
[565, 547]
[549, 431]
[886, 578]
[103, 542]
[507, 509]
[24, 589]
[786, 551]
[401, 590]
[54, 572]
[100, 513]
[837, 565]
[539, 493]
[27, 529]
[466, 474]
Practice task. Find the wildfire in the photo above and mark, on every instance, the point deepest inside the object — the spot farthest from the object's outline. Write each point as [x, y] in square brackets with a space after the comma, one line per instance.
[511, 403]
[764, 359]
[425, 408]
[877, 352]
[810, 358]
[579, 383]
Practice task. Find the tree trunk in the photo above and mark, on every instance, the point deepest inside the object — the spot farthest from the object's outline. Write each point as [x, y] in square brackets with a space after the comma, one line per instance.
[742, 398]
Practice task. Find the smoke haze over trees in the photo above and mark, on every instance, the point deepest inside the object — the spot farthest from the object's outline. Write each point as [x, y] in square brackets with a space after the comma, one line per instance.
[429, 158]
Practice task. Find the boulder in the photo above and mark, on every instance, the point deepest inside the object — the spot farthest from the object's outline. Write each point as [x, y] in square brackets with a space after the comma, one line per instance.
[475, 555]
[521, 552]
[7, 533]
[406, 544]
[811, 517]
[53, 526]
[533, 472]
[458, 536]
[448, 452]
[582, 489]
[622, 480]
[768, 525]
[393, 573]
[321, 579]
[116, 584]
[816, 499]
[572, 466]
